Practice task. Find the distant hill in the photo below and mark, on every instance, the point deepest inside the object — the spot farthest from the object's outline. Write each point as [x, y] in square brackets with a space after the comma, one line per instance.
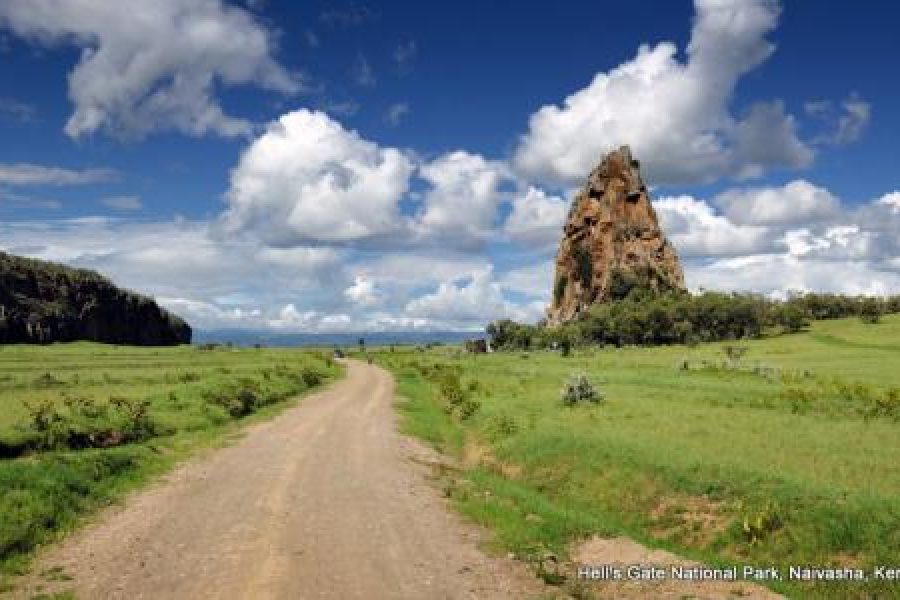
[242, 337]
[43, 302]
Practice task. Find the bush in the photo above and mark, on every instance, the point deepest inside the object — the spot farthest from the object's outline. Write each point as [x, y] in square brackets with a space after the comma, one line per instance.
[467, 408]
[791, 318]
[559, 288]
[501, 426]
[886, 405]
[579, 388]
[311, 377]
[238, 401]
[757, 525]
[247, 402]
[457, 398]
[451, 389]
[47, 380]
[77, 422]
[138, 423]
[584, 264]
[870, 311]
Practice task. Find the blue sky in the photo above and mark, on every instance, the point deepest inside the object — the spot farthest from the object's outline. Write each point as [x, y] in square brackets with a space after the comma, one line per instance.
[329, 166]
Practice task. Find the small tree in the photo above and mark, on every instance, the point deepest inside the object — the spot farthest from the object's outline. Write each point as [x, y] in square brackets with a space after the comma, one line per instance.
[870, 311]
[791, 318]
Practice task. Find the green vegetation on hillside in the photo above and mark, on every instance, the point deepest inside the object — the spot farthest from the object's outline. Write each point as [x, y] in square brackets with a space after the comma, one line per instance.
[43, 302]
[82, 423]
[778, 451]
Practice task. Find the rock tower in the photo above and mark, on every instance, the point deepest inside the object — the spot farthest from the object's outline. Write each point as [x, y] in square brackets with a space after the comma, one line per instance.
[611, 243]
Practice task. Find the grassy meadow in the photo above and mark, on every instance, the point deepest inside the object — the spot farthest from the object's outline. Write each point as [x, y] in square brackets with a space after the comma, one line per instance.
[778, 451]
[82, 423]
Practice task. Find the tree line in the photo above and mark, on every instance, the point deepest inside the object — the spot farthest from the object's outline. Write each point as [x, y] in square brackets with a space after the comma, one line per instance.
[645, 318]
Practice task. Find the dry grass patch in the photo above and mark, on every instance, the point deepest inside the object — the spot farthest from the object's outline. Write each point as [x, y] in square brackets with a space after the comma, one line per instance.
[477, 454]
[691, 520]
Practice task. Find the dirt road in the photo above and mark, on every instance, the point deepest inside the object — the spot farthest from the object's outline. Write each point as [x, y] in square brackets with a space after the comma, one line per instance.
[325, 501]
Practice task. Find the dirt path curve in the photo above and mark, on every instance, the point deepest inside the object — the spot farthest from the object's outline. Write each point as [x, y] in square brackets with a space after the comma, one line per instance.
[325, 501]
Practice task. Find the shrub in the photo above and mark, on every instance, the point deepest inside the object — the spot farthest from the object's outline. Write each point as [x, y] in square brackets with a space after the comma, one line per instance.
[578, 388]
[757, 525]
[559, 288]
[501, 426]
[78, 422]
[311, 377]
[138, 423]
[240, 400]
[791, 318]
[47, 380]
[886, 405]
[47, 423]
[870, 311]
[451, 389]
[584, 264]
[467, 408]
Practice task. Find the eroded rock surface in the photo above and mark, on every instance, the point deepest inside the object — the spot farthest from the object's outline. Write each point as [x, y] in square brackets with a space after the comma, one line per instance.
[611, 242]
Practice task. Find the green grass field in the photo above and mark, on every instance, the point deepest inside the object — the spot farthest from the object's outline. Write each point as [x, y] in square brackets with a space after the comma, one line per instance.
[789, 455]
[81, 424]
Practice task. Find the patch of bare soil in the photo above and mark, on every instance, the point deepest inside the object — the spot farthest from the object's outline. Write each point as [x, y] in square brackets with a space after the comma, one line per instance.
[623, 552]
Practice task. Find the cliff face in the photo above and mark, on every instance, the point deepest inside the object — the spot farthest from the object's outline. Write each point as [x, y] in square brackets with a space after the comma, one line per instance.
[611, 242]
[43, 302]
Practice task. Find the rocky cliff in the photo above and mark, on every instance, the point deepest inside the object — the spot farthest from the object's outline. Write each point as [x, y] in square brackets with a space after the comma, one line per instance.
[611, 242]
[43, 302]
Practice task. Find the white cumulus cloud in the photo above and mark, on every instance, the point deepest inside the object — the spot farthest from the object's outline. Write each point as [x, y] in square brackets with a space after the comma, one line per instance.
[536, 217]
[696, 229]
[675, 115]
[477, 298]
[147, 66]
[363, 292]
[309, 179]
[461, 203]
[798, 201]
[892, 201]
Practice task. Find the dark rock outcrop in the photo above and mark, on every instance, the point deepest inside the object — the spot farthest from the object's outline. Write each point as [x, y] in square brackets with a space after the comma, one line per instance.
[611, 242]
[42, 302]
